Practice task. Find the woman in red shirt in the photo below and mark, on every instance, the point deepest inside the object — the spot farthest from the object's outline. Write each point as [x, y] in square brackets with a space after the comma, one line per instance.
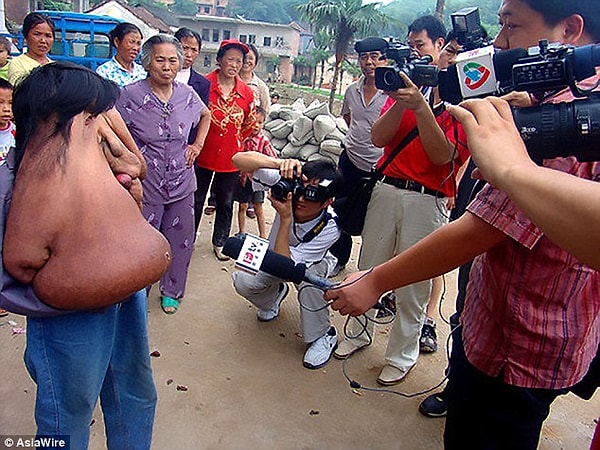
[231, 104]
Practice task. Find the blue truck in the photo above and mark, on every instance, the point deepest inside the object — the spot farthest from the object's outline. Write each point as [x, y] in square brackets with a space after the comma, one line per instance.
[80, 38]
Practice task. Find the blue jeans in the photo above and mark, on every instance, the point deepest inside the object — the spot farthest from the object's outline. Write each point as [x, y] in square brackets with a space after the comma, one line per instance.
[76, 358]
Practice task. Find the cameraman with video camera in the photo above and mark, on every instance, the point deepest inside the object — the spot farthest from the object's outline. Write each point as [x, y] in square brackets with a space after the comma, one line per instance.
[410, 201]
[303, 230]
[531, 322]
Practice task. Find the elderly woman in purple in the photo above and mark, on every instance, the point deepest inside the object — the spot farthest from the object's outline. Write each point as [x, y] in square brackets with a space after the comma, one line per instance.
[160, 113]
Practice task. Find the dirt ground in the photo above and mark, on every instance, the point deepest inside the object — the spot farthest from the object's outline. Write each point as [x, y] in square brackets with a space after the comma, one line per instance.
[246, 387]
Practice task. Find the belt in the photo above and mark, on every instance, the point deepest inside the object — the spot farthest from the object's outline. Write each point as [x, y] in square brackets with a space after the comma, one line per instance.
[410, 185]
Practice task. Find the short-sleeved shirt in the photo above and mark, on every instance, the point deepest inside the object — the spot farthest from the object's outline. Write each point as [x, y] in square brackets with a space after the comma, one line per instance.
[4, 71]
[359, 147]
[161, 132]
[112, 70]
[315, 249]
[261, 92]
[261, 144]
[233, 119]
[7, 141]
[532, 312]
[20, 67]
[413, 163]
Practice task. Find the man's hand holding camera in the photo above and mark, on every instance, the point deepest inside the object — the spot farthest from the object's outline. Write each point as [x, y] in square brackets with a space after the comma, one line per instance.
[494, 141]
[290, 168]
[408, 97]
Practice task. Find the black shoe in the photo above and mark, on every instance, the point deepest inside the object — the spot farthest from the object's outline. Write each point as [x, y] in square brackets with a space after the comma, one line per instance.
[388, 305]
[428, 340]
[434, 405]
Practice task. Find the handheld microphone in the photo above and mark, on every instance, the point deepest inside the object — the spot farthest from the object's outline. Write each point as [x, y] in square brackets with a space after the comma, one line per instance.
[277, 265]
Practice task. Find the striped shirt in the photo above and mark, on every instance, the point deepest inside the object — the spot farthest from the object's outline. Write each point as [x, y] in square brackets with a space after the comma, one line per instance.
[532, 312]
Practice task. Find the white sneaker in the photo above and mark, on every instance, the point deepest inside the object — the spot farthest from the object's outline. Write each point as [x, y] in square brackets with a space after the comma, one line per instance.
[273, 311]
[319, 352]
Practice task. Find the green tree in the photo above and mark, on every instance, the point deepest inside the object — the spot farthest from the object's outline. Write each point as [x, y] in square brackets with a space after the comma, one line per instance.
[56, 5]
[344, 20]
[184, 7]
[272, 11]
[320, 53]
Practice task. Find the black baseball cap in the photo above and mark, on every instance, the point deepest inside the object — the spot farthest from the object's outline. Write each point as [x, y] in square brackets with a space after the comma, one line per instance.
[371, 44]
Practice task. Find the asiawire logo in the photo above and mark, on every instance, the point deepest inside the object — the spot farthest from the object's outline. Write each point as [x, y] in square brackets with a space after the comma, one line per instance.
[476, 75]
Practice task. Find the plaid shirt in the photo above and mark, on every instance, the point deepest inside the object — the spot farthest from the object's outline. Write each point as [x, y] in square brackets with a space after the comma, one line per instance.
[258, 143]
[532, 312]
[261, 144]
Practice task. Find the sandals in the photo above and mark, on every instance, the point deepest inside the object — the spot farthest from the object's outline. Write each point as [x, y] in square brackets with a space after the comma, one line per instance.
[169, 305]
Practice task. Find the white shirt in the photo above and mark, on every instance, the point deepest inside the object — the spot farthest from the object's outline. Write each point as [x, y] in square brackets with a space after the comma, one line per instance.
[310, 252]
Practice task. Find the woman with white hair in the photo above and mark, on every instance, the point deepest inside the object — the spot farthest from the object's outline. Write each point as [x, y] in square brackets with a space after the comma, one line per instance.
[160, 112]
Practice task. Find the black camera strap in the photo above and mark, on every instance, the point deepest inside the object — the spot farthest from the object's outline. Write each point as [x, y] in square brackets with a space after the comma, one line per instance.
[314, 232]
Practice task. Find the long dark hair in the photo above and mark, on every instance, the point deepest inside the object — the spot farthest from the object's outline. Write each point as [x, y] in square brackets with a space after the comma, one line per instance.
[47, 95]
[121, 30]
[33, 19]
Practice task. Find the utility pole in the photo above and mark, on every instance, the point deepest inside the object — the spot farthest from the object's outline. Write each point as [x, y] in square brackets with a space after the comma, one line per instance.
[81, 5]
[3, 29]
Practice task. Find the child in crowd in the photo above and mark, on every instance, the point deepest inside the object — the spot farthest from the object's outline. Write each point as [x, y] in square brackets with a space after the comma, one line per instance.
[5, 47]
[7, 128]
[244, 195]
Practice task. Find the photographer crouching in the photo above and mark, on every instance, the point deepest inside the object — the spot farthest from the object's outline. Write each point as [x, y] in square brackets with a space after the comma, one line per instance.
[304, 231]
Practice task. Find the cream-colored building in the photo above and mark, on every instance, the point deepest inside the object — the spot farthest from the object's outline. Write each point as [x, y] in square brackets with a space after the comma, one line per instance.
[277, 44]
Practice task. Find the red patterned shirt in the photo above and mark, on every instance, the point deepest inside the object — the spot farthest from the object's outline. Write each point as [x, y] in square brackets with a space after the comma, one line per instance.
[233, 119]
[532, 311]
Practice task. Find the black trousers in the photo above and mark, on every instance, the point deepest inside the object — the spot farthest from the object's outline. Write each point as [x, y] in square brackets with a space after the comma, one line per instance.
[225, 185]
[486, 413]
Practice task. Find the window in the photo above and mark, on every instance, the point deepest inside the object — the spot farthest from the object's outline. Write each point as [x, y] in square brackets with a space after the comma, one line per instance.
[206, 61]
[251, 39]
[226, 34]
[207, 10]
[243, 38]
[215, 36]
[279, 41]
[266, 41]
[205, 34]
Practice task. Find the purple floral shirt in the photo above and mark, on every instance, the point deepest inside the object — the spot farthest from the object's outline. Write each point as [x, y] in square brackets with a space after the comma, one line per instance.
[161, 132]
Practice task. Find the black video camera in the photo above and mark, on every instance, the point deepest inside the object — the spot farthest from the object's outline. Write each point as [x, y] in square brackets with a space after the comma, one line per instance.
[418, 69]
[281, 189]
[550, 130]
[284, 186]
[466, 26]
[561, 129]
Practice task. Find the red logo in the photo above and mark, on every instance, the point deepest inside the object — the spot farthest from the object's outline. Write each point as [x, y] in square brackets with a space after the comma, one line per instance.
[476, 75]
[248, 257]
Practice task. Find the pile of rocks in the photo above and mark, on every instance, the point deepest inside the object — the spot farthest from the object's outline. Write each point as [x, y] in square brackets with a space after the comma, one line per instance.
[305, 133]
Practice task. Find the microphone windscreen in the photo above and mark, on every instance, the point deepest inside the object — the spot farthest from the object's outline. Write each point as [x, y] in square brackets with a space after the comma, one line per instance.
[233, 246]
[504, 60]
[281, 267]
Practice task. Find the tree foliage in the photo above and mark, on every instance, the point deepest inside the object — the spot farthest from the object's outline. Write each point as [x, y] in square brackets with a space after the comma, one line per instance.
[403, 12]
[345, 20]
[184, 7]
[271, 11]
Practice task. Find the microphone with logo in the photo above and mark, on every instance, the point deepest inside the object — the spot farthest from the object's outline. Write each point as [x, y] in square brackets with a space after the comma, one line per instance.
[252, 254]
